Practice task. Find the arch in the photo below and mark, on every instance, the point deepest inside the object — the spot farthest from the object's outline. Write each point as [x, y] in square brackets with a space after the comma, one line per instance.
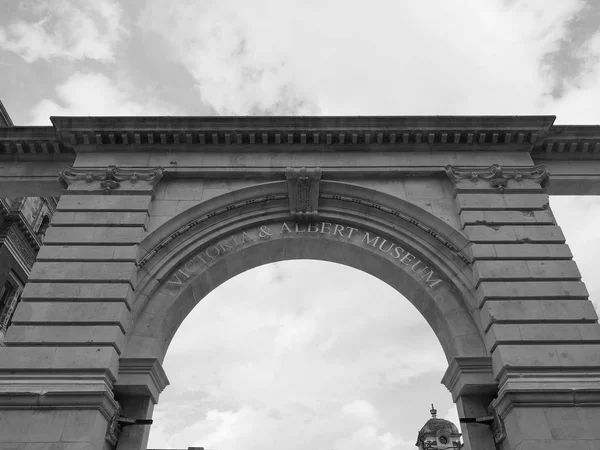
[419, 255]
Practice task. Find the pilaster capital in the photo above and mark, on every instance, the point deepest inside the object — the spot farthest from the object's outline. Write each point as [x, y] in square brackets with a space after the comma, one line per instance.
[141, 376]
[303, 190]
[470, 376]
[109, 179]
[496, 176]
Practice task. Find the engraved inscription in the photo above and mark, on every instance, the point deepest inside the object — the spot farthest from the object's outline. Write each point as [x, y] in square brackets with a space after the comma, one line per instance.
[406, 260]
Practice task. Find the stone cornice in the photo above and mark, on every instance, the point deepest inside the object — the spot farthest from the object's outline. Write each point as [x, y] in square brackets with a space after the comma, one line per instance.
[519, 132]
[535, 134]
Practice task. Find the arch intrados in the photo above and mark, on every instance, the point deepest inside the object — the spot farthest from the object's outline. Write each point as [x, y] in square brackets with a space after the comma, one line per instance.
[446, 310]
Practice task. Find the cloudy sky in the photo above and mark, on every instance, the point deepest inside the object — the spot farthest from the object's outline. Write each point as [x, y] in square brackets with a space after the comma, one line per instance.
[260, 364]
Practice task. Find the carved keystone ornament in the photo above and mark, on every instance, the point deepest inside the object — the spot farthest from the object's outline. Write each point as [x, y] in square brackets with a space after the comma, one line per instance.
[111, 177]
[498, 176]
[303, 189]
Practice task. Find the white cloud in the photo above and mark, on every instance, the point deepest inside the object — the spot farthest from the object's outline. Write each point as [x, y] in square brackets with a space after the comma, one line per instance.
[362, 411]
[335, 57]
[70, 29]
[95, 94]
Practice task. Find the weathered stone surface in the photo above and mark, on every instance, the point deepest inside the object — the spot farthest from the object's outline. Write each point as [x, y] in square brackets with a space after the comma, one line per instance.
[59, 335]
[93, 235]
[511, 234]
[99, 218]
[92, 292]
[84, 272]
[541, 333]
[501, 201]
[498, 270]
[506, 217]
[532, 311]
[105, 203]
[56, 312]
[42, 359]
[520, 251]
[120, 253]
[519, 290]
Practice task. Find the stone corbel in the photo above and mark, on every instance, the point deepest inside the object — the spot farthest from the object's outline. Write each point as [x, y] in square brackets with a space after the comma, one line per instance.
[470, 376]
[141, 376]
[497, 176]
[303, 190]
[110, 179]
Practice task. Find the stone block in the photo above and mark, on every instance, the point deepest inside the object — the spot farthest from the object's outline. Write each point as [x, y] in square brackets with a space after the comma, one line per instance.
[532, 311]
[93, 235]
[86, 272]
[120, 253]
[98, 313]
[494, 201]
[163, 208]
[43, 359]
[524, 356]
[88, 292]
[66, 335]
[515, 234]
[52, 429]
[521, 251]
[524, 270]
[107, 203]
[506, 217]
[482, 186]
[533, 333]
[522, 290]
[99, 218]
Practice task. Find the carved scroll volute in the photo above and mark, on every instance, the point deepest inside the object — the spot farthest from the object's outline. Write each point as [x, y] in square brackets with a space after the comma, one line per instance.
[303, 190]
[109, 179]
[496, 176]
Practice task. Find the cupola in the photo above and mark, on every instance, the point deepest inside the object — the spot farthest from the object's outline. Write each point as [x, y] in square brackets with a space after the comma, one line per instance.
[438, 434]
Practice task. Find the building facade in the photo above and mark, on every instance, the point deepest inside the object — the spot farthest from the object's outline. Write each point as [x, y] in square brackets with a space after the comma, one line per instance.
[23, 223]
[155, 212]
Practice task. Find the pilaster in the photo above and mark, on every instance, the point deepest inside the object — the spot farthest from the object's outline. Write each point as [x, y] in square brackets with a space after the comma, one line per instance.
[540, 328]
[62, 350]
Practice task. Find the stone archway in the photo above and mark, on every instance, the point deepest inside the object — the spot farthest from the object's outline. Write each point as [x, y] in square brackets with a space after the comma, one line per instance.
[145, 196]
[408, 248]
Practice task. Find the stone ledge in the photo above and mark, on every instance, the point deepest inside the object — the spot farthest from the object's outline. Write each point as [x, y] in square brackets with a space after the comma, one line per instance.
[537, 311]
[88, 292]
[141, 376]
[96, 218]
[547, 388]
[66, 335]
[84, 272]
[79, 235]
[482, 252]
[72, 313]
[59, 360]
[84, 390]
[537, 290]
[87, 253]
[515, 234]
[104, 203]
[470, 376]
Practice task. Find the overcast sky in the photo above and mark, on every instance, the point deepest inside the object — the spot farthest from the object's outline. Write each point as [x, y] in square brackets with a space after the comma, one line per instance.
[263, 362]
